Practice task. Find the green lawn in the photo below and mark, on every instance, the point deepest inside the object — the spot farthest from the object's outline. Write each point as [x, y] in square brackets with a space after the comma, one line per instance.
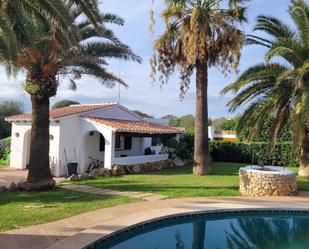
[179, 182]
[15, 214]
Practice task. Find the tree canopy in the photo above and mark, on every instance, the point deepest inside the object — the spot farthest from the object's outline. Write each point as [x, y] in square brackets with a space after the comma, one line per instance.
[64, 103]
[8, 108]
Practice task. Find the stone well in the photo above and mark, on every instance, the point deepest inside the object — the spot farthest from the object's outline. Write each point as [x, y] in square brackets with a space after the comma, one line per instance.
[272, 181]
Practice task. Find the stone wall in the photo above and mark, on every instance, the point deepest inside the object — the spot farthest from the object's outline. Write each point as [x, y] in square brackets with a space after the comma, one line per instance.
[142, 167]
[274, 181]
[118, 170]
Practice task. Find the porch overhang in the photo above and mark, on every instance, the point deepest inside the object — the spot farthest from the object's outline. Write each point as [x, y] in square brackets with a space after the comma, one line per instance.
[136, 128]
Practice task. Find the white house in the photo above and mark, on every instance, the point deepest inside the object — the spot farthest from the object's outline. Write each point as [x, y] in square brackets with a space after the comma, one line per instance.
[224, 135]
[107, 132]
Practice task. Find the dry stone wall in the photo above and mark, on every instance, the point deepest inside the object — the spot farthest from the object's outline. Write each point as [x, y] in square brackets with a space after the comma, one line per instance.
[273, 181]
[118, 170]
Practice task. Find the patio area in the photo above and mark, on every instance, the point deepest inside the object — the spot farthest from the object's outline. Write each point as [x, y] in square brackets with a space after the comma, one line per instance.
[9, 175]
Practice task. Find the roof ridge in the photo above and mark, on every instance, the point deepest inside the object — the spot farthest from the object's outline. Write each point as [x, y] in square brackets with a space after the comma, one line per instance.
[145, 121]
[64, 111]
[126, 120]
[122, 125]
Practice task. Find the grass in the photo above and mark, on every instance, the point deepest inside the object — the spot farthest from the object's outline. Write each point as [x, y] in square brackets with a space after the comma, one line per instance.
[15, 214]
[302, 182]
[179, 182]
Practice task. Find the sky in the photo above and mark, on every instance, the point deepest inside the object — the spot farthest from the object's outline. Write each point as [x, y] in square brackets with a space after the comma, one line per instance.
[141, 94]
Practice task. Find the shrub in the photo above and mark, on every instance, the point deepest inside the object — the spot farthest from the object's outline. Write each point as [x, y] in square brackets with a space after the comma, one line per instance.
[280, 155]
[5, 151]
[174, 147]
[5, 156]
[188, 139]
[238, 152]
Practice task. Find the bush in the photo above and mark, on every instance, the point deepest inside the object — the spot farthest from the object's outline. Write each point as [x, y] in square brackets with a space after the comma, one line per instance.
[188, 139]
[280, 155]
[5, 151]
[238, 152]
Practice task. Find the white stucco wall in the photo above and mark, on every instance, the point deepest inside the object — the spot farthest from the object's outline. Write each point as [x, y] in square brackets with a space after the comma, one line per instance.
[54, 130]
[69, 146]
[20, 145]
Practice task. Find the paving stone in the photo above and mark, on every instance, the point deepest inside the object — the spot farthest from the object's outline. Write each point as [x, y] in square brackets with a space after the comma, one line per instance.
[94, 190]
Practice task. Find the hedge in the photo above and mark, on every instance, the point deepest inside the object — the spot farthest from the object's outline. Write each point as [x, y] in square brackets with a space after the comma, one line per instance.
[280, 155]
[238, 152]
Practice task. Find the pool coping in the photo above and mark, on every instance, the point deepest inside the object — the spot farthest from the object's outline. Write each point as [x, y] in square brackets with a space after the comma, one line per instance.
[156, 223]
[176, 207]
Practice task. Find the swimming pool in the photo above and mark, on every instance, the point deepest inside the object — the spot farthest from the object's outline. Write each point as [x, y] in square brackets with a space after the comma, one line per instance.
[256, 229]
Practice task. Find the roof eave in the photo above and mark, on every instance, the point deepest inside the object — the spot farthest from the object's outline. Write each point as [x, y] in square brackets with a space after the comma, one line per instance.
[148, 132]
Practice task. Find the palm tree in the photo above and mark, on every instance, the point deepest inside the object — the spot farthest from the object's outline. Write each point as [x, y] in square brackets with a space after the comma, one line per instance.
[44, 53]
[199, 232]
[278, 90]
[199, 34]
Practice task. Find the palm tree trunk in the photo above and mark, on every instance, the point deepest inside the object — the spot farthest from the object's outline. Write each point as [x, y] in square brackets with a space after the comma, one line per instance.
[304, 160]
[199, 228]
[39, 172]
[201, 164]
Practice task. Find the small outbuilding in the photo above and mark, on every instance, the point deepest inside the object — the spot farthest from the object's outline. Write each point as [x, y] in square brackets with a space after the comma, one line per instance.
[107, 132]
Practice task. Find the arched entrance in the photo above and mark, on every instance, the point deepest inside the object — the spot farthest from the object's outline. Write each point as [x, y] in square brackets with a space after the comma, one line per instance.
[94, 148]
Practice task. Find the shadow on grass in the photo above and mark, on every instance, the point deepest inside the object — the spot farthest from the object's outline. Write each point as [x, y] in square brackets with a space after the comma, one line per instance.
[57, 195]
[158, 188]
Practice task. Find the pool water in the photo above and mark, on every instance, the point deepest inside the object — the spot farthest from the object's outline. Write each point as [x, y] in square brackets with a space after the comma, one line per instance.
[254, 231]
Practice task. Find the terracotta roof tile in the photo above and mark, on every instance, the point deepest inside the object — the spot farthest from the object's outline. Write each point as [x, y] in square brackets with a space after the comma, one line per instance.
[135, 126]
[65, 111]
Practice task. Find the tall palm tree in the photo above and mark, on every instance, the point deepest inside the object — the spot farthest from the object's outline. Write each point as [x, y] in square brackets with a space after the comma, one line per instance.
[199, 232]
[199, 34]
[279, 90]
[44, 53]
[51, 10]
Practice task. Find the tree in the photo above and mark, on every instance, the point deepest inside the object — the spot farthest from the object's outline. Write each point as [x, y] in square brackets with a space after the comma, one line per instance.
[218, 122]
[8, 108]
[230, 124]
[169, 117]
[64, 103]
[199, 34]
[285, 135]
[45, 52]
[55, 14]
[199, 232]
[142, 114]
[279, 90]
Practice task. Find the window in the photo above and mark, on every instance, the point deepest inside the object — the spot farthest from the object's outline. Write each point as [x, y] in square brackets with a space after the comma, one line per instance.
[102, 143]
[118, 141]
[156, 141]
[127, 142]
